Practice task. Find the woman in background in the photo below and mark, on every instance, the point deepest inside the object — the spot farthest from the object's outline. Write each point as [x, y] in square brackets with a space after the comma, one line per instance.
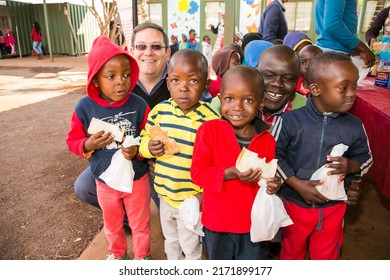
[36, 36]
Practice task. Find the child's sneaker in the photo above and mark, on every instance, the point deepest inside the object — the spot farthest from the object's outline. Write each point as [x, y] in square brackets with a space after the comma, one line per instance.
[112, 257]
[147, 258]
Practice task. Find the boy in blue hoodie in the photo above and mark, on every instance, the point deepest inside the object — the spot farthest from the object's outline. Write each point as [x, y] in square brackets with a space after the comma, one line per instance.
[112, 75]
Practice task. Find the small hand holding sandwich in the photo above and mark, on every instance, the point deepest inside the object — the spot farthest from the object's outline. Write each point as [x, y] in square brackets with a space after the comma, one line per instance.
[161, 144]
[250, 168]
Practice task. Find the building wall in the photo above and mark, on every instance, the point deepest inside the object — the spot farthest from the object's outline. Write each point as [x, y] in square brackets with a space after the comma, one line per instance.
[57, 27]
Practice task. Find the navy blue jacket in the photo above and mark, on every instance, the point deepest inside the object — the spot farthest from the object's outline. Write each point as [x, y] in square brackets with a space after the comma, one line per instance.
[273, 24]
[306, 136]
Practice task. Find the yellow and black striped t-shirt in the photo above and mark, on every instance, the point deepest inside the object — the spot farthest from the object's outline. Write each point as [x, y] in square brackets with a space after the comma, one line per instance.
[172, 173]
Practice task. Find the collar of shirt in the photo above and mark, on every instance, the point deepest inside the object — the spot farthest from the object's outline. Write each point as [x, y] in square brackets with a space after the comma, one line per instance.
[270, 121]
[156, 86]
[281, 4]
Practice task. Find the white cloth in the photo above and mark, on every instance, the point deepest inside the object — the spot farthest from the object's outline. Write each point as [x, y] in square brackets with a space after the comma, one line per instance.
[331, 188]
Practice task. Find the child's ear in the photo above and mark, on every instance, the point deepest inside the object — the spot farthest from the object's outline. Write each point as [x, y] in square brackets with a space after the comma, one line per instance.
[315, 89]
[207, 85]
[261, 104]
[94, 83]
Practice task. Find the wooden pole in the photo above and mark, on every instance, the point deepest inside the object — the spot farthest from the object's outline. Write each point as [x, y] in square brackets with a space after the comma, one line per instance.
[17, 35]
[73, 32]
[47, 29]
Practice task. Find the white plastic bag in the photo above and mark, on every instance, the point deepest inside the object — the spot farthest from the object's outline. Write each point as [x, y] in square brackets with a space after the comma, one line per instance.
[331, 188]
[190, 214]
[120, 174]
[267, 215]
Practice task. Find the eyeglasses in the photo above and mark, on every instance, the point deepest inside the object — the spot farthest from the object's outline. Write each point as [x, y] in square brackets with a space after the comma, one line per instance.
[154, 47]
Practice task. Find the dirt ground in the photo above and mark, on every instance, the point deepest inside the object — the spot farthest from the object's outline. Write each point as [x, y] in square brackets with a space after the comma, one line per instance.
[42, 219]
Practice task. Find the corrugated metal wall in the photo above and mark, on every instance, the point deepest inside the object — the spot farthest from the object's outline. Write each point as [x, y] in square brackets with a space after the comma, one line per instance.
[22, 16]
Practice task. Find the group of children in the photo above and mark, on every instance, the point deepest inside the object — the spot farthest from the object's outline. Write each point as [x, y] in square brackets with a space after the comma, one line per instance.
[252, 100]
[7, 42]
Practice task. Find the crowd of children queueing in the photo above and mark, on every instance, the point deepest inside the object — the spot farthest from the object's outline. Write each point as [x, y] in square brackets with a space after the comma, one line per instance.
[288, 101]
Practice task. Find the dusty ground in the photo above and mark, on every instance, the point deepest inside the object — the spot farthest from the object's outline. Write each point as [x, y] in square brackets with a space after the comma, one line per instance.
[40, 216]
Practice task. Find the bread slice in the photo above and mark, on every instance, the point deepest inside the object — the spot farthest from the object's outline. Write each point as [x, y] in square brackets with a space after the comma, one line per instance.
[248, 159]
[97, 125]
[170, 145]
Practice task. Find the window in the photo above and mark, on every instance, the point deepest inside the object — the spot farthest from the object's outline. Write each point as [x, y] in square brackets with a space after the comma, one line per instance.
[213, 11]
[298, 15]
[153, 13]
[372, 9]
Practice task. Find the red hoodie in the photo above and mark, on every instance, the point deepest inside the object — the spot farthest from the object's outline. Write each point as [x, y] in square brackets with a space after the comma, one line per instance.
[130, 113]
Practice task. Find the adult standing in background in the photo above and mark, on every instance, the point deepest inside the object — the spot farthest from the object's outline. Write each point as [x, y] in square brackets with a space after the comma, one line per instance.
[36, 36]
[150, 48]
[336, 25]
[273, 24]
[219, 30]
[377, 25]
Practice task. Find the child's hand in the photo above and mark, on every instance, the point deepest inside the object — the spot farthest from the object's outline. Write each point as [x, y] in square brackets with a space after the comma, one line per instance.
[307, 190]
[156, 147]
[199, 196]
[152, 165]
[354, 191]
[342, 166]
[98, 141]
[251, 175]
[273, 185]
[130, 152]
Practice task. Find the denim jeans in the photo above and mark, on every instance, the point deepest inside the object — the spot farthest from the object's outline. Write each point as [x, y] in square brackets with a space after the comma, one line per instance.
[37, 47]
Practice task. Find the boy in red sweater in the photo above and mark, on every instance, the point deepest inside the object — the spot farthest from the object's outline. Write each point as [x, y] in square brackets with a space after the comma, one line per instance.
[229, 194]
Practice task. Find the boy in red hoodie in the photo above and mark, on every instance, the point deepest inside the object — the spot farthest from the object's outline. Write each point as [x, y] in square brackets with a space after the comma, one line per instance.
[112, 75]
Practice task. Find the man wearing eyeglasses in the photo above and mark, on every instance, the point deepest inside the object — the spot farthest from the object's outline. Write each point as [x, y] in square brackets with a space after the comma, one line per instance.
[150, 48]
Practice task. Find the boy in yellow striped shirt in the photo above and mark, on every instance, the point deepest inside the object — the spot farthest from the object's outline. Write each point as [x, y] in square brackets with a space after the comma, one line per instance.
[181, 116]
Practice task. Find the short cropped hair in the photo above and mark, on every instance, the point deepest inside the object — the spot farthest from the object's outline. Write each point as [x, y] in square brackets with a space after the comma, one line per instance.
[146, 25]
[319, 64]
[251, 74]
[281, 50]
[192, 54]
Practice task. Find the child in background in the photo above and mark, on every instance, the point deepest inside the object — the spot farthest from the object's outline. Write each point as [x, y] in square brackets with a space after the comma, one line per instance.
[11, 41]
[305, 139]
[181, 116]
[207, 50]
[253, 51]
[183, 42]
[296, 40]
[228, 193]
[192, 43]
[305, 55]
[112, 75]
[222, 61]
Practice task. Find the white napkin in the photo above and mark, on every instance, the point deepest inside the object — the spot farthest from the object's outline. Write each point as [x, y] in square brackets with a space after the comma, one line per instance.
[331, 188]
[359, 63]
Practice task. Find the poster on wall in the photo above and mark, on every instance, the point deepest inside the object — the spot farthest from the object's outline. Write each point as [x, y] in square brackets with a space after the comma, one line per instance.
[183, 15]
[250, 13]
